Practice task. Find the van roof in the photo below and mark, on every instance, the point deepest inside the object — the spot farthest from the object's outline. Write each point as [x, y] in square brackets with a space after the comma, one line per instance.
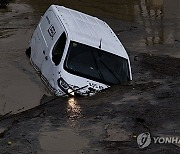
[89, 30]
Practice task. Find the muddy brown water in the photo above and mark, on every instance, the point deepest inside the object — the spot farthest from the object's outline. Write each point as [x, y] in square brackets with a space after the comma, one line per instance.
[159, 22]
[143, 26]
[20, 87]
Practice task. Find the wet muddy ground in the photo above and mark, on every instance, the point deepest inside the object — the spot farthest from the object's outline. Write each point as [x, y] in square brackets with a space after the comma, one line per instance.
[32, 121]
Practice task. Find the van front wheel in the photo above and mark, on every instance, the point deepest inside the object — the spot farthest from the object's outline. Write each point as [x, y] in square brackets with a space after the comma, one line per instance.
[28, 52]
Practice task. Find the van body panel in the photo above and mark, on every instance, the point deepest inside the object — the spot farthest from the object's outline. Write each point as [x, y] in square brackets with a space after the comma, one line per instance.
[91, 30]
[57, 29]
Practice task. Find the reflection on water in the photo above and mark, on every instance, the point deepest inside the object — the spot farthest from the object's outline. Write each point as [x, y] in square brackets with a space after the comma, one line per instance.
[121, 9]
[151, 15]
[63, 139]
[73, 110]
[159, 18]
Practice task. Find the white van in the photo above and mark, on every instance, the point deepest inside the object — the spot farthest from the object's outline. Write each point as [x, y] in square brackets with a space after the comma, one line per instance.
[77, 54]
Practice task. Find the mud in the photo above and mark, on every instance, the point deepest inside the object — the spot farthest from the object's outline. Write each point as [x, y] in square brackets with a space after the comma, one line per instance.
[32, 121]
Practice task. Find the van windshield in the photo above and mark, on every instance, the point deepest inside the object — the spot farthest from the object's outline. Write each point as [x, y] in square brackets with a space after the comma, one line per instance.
[96, 64]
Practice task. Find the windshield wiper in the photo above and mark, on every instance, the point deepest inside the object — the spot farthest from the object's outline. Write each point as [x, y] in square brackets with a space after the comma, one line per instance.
[98, 70]
[110, 71]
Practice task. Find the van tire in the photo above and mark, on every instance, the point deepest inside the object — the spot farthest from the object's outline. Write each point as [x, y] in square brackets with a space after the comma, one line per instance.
[28, 52]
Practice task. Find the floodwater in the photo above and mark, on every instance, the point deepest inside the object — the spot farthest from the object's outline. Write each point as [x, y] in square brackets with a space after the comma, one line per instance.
[142, 26]
[21, 88]
[159, 20]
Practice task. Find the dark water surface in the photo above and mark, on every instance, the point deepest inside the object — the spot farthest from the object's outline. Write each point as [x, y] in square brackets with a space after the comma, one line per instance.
[160, 19]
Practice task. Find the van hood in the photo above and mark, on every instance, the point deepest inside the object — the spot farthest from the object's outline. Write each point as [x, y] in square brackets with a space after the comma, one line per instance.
[79, 86]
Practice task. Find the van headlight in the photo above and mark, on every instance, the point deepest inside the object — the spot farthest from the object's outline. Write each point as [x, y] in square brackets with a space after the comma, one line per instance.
[65, 87]
[70, 91]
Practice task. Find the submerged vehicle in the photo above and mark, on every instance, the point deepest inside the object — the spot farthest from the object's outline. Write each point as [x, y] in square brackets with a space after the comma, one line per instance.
[77, 54]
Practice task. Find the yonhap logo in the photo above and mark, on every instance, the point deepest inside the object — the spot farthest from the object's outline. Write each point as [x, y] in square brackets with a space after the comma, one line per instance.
[143, 140]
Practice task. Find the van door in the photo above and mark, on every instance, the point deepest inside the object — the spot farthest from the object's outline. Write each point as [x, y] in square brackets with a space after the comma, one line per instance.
[38, 47]
[39, 44]
[53, 34]
[51, 66]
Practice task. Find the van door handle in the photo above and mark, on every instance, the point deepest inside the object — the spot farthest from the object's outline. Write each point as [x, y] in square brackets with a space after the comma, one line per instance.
[43, 52]
[46, 57]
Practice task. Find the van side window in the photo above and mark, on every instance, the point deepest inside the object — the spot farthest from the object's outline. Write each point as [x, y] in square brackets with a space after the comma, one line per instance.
[58, 49]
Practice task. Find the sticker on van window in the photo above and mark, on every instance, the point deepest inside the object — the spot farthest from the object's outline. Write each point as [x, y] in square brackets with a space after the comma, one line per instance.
[52, 31]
